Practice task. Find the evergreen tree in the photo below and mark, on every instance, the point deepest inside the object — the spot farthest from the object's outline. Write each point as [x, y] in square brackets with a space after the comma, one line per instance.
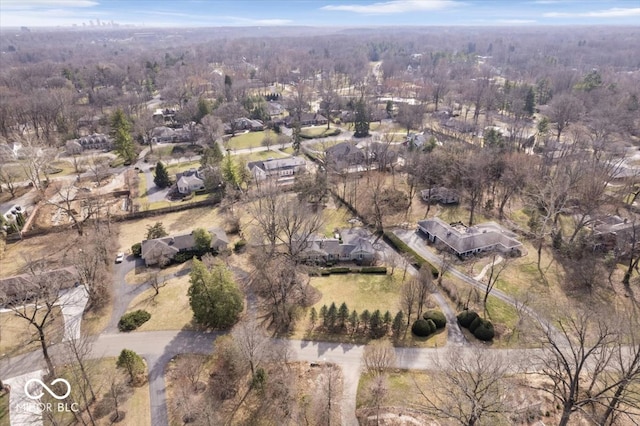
[161, 179]
[202, 240]
[386, 319]
[361, 119]
[343, 314]
[530, 101]
[313, 317]
[375, 324]
[204, 108]
[332, 315]
[323, 315]
[365, 316]
[121, 135]
[156, 231]
[211, 156]
[132, 363]
[398, 324]
[353, 320]
[214, 296]
[230, 172]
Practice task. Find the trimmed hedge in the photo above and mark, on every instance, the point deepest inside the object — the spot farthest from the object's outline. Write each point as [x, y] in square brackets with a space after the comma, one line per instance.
[133, 320]
[475, 324]
[136, 249]
[423, 328]
[465, 318]
[437, 317]
[418, 261]
[485, 331]
[373, 270]
[339, 270]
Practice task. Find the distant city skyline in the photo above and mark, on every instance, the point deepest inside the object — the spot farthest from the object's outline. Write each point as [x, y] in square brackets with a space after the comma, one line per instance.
[322, 13]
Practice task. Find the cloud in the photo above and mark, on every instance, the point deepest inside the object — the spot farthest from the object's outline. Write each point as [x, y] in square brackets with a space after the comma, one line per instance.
[394, 6]
[616, 12]
[49, 4]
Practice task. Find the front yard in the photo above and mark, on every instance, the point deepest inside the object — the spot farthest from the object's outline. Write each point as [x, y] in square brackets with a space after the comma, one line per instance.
[246, 140]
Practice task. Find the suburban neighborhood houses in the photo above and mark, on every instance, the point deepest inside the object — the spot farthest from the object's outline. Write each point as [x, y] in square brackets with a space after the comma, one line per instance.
[273, 222]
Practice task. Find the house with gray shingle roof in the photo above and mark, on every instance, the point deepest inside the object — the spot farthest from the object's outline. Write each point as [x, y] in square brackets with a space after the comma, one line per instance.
[278, 168]
[331, 250]
[19, 288]
[163, 250]
[466, 241]
[190, 181]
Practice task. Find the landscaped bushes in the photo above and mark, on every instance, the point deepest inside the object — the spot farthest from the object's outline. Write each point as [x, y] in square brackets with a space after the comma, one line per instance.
[382, 270]
[423, 328]
[481, 328]
[240, 246]
[133, 320]
[323, 272]
[437, 317]
[398, 244]
[136, 249]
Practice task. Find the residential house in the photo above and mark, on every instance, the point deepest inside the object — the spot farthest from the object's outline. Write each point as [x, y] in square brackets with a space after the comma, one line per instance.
[10, 152]
[166, 115]
[344, 155]
[322, 250]
[275, 109]
[161, 251]
[615, 233]
[244, 123]
[307, 119]
[466, 241]
[94, 141]
[440, 195]
[282, 169]
[190, 181]
[17, 289]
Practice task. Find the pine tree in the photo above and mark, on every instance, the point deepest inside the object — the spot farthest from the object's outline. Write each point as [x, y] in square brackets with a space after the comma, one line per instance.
[121, 135]
[156, 231]
[343, 314]
[313, 317]
[386, 319]
[530, 101]
[398, 324]
[162, 179]
[361, 120]
[132, 363]
[365, 316]
[375, 324]
[204, 108]
[323, 315]
[353, 320]
[332, 315]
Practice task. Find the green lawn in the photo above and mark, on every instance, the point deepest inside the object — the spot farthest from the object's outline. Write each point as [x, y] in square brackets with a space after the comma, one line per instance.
[288, 150]
[335, 218]
[182, 167]
[260, 156]
[246, 140]
[318, 131]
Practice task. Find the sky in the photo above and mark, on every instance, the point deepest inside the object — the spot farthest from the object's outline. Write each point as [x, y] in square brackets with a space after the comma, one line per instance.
[337, 13]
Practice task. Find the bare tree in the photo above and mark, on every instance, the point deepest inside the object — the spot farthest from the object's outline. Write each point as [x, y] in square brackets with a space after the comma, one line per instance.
[376, 392]
[190, 367]
[497, 266]
[35, 298]
[9, 177]
[378, 356]
[298, 223]
[590, 367]
[265, 211]
[469, 388]
[99, 167]
[327, 398]
[252, 343]
[157, 282]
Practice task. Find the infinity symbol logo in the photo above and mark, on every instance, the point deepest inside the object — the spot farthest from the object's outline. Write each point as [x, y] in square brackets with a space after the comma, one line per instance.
[52, 393]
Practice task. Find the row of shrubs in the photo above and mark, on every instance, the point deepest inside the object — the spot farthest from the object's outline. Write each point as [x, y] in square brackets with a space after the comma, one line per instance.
[132, 320]
[332, 132]
[481, 328]
[334, 319]
[382, 270]
[418, 261]
[430, 322]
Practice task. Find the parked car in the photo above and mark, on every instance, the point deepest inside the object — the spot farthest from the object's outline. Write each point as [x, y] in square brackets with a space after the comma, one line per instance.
[119, 257]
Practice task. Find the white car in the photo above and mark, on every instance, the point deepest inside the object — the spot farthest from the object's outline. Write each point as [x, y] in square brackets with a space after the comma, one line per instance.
[119, 257]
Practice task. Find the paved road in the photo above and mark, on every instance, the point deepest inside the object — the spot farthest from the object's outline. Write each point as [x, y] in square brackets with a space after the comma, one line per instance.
[416, 242]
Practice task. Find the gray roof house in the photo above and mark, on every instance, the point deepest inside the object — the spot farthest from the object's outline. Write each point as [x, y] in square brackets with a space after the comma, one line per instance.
[282, 169]
[331, 250]
[162, 250]
[94, 141]
[465, 241]
[189, 181]
[17, 289]
[440, 195]
[345, 154]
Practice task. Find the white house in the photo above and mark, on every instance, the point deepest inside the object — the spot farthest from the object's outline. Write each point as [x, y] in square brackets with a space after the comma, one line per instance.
[278, 168]
[189, 181]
